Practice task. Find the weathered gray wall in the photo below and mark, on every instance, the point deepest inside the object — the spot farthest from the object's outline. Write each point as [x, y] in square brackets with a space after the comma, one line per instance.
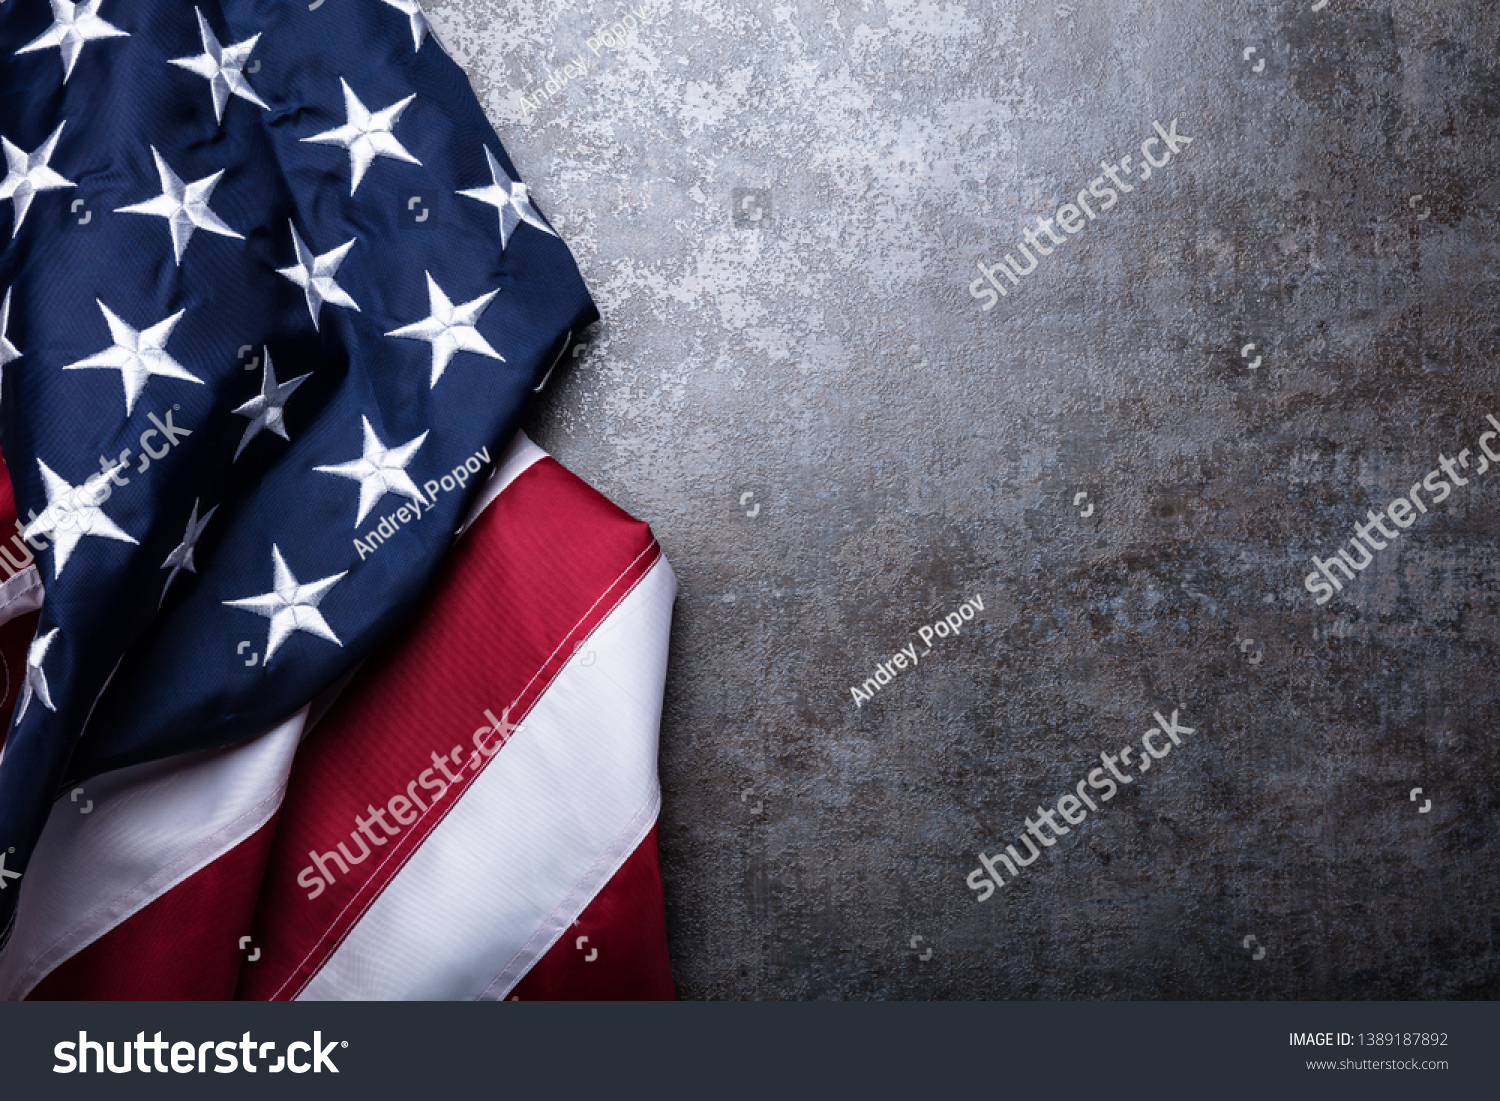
[907, 450]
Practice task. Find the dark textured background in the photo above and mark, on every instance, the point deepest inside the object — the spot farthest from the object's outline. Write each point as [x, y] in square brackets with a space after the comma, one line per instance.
[907, 451]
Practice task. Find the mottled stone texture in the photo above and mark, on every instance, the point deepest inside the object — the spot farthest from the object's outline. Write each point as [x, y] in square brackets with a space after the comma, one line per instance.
[907, 450]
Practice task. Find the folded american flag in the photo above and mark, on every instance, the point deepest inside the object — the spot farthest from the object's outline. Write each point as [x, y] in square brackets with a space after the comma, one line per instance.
[471, 816]
[269, 287]
[272, 302]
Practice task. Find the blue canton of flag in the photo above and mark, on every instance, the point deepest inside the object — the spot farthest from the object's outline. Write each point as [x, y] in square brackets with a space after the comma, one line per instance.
[270, 291]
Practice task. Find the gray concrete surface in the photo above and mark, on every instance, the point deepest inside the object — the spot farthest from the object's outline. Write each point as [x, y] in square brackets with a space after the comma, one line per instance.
[908, 450]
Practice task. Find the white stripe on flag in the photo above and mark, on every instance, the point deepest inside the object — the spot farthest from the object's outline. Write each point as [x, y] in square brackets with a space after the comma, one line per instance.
[149, 828]
[20, 594]
[537, 834]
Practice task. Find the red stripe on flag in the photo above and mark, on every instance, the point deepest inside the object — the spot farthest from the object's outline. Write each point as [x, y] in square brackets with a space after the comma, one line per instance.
[624, 929]
[532, 578]
[184, 946]
[15, 634]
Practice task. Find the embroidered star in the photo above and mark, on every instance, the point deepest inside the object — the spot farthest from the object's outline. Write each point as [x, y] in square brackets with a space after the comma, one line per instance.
[510, 198]
[182, 557]
[366, 135]
[290, 606]
[314, 274]
[420, 27]
[73, 512]
[223, 67]
[27, 173]
[184, 206]
[380, 470]
[268, 408]
[449, 329]
[72, 26]
[9, 353]
[36, 680]
[137, 354]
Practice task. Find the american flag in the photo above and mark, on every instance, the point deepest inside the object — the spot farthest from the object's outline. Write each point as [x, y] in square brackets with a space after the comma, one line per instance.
[272, 302]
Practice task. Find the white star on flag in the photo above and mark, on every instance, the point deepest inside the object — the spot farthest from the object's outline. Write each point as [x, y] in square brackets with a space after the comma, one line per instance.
[71, 513]
[420, 27]
[181, 557]
[380, 470]
[268, 408]
[366, 135]
[314, 274]
[137, 354]
[72, 26]
[9, 353]
[27, 173]
[223, 68]
[290, 606]
[184, 206]
[510, 198]
[35, 683]
[449, 329]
